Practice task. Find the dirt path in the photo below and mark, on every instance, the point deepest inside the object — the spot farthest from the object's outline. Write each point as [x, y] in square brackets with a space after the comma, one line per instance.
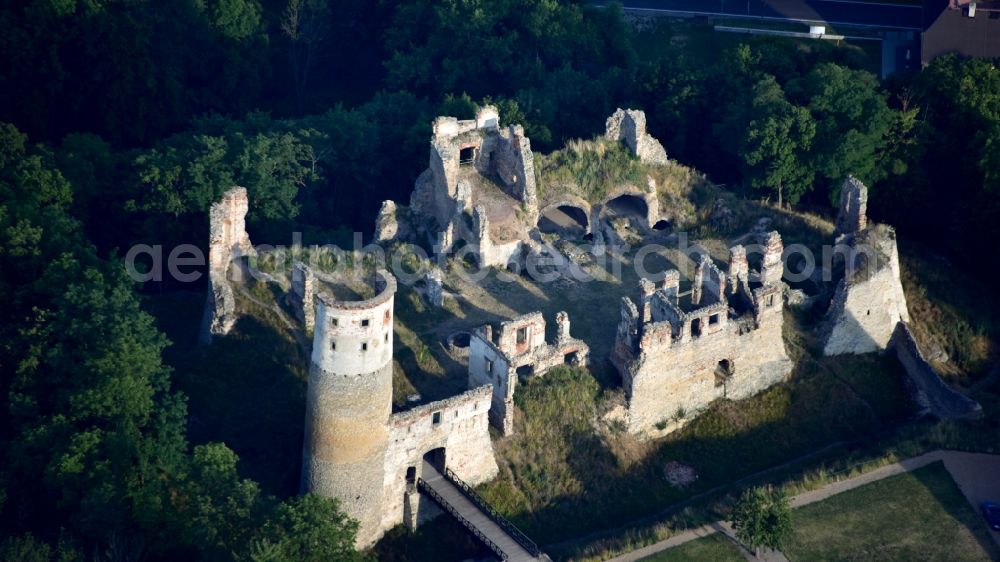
[975, 473]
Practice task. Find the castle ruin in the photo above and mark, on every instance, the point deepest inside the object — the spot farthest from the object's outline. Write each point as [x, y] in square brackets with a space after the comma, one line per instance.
[479, 192]
[355, 448]
[629, 126]
[479, 189]
[676, 355]
[227, 241]
[500, 355]
[677, 350]
[868, 302]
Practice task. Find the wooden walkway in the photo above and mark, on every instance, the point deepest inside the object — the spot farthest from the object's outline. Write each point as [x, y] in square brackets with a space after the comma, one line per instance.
[458, 504]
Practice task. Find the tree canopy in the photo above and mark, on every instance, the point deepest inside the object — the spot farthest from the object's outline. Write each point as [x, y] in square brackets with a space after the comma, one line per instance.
[762, 517]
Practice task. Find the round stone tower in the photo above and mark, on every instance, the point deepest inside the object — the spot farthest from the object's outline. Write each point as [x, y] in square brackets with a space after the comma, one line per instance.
[349, 402]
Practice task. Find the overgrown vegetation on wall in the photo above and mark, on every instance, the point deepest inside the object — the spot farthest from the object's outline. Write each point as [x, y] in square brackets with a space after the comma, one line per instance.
[144, 112]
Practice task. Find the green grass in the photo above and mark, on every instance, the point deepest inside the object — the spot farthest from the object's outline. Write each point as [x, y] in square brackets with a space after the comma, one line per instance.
[921, 515]
[562, 478]
[949, 312]
[589, 168]
[554, 434]
[713, 548]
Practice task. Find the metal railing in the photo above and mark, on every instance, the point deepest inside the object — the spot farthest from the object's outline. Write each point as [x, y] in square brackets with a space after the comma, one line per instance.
[422, 485]
[483, 505]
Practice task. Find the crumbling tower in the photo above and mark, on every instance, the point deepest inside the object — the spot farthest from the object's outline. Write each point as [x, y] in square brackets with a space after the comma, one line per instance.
[228, 241]
[349, 404]
[853, 207]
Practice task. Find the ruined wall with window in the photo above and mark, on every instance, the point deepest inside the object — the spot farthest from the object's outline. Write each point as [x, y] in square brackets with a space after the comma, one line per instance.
[679, 351]
[452, 433]
[355, 449]
[499, 355]
[479, 188]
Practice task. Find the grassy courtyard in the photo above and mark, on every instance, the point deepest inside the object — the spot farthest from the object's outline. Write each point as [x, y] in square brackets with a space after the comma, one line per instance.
[921, 515]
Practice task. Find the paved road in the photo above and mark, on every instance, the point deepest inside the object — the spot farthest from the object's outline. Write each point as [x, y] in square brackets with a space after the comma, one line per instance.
[834, 12]
[975, 474]
[454, 497]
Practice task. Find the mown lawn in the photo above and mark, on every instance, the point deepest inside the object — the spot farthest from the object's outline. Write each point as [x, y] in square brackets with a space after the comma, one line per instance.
[713, 548]
[921, 515]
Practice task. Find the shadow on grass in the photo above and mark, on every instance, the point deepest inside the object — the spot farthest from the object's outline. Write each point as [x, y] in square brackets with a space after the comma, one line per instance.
[246, 390]
[729, 442]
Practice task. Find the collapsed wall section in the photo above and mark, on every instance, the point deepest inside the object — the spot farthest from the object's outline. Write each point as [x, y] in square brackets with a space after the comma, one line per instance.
[629, 126]
[228, 240]
[929, 391]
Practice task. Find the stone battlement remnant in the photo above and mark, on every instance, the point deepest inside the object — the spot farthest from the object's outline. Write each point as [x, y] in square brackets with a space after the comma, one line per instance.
[676, 357]
[227, 241]
[852, 216]
[355, 448]
[869, 299]
[302, 293]
[629, 126]
[499, 355]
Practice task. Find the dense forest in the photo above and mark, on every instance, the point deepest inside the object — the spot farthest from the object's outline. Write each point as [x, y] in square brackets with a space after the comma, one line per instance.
[124, 120]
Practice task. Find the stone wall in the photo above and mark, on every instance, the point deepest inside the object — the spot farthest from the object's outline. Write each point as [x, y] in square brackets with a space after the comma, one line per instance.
[302, 293]
[434, 279]
[709, 283]
[869, 301]
[348, 405]
[487, 365]
[387, 223]
[460, 426]
[514, 163]
[669, 376]
[929, 391]
[228, 240]
[674, 363]
[629, 126]
[853, 207]
[498, 355]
